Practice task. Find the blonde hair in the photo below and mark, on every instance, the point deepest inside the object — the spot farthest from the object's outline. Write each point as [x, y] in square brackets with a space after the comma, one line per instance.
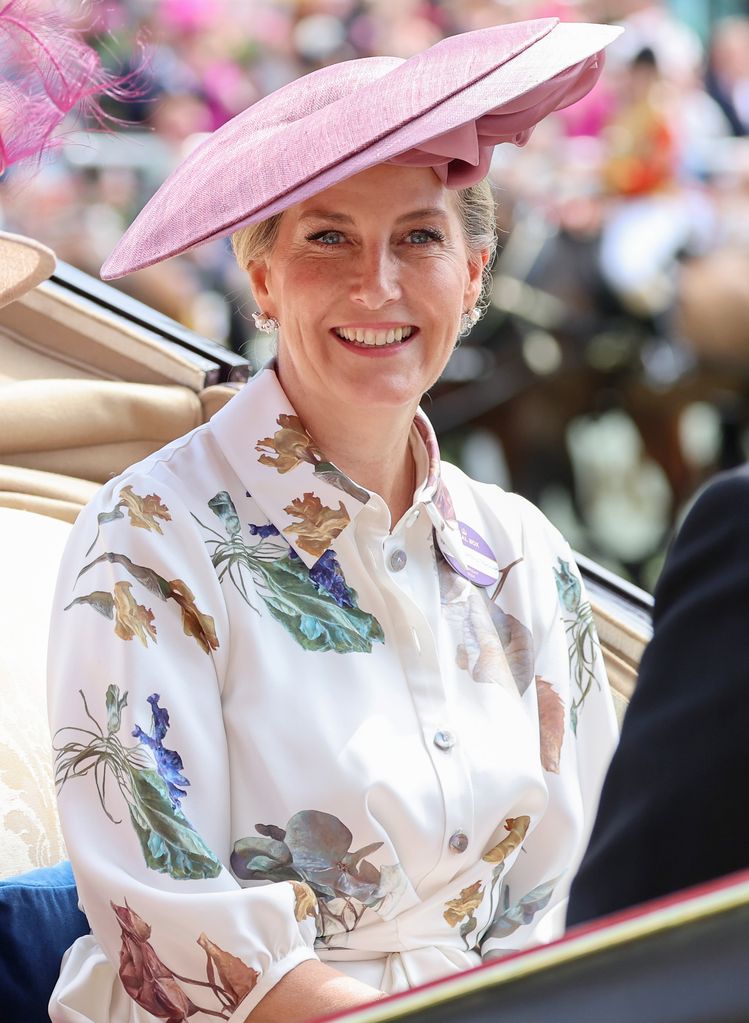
[475, 207]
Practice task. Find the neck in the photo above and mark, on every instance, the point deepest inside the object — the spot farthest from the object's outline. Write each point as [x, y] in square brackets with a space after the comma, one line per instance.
[370, 445]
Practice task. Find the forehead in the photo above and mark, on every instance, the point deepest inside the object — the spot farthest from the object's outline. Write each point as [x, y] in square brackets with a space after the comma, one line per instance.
[386, 189]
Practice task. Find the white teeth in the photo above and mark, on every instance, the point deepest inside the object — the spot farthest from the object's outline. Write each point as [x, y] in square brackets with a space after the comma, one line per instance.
[374, 338]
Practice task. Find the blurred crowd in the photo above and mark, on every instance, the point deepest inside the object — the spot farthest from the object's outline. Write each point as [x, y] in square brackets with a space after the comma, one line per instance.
[624, 228]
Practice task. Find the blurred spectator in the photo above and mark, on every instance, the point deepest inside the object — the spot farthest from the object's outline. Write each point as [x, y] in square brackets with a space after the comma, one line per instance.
[727, 78]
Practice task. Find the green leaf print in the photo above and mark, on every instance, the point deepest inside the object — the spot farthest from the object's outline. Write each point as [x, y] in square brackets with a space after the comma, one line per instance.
[522, 912]
[222, 505]
[320, 614]
[170, 845]
[315, 621]
[316, 850]
[335, 478]
[582, 640]
[114, 703]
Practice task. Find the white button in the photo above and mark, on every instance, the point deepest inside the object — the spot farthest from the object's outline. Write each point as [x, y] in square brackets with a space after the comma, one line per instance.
[444, 739]
[398, 559]
[458, 841]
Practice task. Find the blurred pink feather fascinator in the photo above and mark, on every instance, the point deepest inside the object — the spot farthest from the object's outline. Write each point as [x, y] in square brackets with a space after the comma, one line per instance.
[46, 70]
[445, 108]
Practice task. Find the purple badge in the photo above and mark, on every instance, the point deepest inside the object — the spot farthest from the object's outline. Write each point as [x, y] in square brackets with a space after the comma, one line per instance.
[477, 563]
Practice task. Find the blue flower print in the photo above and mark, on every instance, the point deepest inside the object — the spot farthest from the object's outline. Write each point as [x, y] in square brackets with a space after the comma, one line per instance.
[328, 578]
[149, 784]
[263, 531]
[168, 761]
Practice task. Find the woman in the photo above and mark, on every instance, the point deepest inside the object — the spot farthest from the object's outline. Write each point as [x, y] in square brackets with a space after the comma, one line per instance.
[339, 718]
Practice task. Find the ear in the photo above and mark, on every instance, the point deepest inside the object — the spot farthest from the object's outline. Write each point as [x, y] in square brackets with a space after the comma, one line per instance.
[258, 272]
[477, 261]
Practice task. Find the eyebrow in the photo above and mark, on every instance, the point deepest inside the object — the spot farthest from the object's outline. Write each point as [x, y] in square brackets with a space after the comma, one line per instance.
[344, 218]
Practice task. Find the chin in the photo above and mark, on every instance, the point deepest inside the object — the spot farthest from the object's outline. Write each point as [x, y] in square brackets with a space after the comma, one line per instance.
[377, 394]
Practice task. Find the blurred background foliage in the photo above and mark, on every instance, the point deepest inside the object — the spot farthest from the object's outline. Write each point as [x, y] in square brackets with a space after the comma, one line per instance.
[609, 377]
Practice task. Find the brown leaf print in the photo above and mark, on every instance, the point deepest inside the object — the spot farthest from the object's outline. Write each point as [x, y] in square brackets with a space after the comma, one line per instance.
[194, 622]
[465, 905]
[132, 619]
[550, 724]
[517, 828]
[290, 445]
[306, 901]
[319, 525]
[237, 978]
[144, 511]
[145, 978]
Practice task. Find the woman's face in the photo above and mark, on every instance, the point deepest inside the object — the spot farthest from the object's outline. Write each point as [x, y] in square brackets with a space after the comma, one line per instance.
[374, 258]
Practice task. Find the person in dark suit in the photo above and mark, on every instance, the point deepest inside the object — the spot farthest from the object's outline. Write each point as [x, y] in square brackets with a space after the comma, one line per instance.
[672, 811]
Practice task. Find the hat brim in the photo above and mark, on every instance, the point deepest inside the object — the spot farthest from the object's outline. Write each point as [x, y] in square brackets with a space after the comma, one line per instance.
[231, 180]
[24, 263]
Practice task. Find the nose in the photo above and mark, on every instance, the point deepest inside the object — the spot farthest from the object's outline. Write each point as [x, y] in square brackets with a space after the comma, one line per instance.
[376, 280]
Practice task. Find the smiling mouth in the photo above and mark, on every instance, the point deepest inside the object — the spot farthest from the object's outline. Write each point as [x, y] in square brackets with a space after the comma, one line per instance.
[373, 338]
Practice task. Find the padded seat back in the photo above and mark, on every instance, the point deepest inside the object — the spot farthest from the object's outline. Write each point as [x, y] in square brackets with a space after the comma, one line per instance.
[31, 546]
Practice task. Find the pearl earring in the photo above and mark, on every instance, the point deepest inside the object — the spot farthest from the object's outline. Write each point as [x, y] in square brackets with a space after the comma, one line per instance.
[268, 324]
[468, 320]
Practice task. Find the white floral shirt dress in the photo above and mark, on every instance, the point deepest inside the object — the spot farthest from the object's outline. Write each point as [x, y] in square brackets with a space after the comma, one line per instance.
[284, 730]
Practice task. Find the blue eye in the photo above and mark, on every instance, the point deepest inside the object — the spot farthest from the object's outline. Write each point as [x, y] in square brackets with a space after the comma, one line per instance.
[325, 237]
[423, 236]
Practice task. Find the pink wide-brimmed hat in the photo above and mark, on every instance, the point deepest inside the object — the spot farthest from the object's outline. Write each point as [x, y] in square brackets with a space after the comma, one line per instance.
[444, 108]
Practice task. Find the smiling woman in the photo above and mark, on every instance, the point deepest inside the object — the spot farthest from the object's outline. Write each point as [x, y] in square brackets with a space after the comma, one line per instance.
[387, 721]
[379, 254]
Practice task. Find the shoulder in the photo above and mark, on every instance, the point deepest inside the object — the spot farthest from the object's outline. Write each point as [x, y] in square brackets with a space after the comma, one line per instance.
[726, 495]
[511, 513]
[718, 520]
[185, 473]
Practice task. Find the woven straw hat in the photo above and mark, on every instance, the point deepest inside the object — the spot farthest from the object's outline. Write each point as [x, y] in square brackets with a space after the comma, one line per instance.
[444, 108]
[24, 263]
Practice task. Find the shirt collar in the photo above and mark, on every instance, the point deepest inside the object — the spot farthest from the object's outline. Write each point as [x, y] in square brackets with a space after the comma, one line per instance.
[308, 499]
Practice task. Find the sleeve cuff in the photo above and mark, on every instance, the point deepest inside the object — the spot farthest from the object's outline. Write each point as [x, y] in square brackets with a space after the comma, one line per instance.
[268, 980]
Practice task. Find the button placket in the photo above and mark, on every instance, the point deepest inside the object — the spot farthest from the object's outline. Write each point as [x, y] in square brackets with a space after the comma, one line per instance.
[398, 559]
[444, 739]
[458, 841]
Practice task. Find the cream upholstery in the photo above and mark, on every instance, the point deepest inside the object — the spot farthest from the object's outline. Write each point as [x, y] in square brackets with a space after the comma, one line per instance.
[30, 549]
[52, 327]
[47, 493]
[91, 429]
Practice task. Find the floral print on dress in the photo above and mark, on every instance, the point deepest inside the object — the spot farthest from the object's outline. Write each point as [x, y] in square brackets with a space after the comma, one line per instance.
[314, 849]
[291, 445]
[461, 910]
[582, 640]
[132, 619]
[151, 782]
[509, 917]
[496, 647]
[143, 512]
[550, 724]
[314, 605]
[318, 525]
[164, 993]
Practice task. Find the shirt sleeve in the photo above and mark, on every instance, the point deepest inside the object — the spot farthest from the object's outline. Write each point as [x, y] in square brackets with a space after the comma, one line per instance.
[139, 645]
[577, 731]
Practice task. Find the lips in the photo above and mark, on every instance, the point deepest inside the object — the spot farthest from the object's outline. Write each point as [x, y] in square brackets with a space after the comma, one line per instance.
[374, 338]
